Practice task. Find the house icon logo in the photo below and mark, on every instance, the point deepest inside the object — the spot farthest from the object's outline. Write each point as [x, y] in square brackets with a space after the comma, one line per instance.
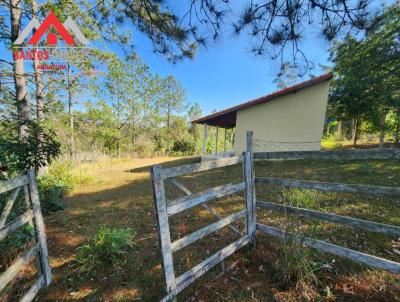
[64, 30]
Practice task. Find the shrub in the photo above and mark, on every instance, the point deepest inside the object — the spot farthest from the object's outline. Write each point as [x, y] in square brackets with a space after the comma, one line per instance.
[108, 246]
[301, 198]
[294, 265]
[59, 179]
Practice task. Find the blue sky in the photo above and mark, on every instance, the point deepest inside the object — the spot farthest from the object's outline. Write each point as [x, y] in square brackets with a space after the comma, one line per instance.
[225, 73]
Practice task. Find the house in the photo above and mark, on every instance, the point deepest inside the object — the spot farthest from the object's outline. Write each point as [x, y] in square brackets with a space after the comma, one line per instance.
[291, 119]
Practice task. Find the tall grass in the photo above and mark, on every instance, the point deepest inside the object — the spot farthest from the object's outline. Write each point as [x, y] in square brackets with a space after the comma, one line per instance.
[107, 247]
[60, 178]
[300, 198]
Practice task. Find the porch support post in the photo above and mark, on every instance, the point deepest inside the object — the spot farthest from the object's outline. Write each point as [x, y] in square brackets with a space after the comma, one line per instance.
[203, 149]
[224, 140]
[216, 140]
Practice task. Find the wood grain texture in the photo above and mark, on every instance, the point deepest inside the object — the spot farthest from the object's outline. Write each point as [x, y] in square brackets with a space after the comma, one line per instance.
[323, 246]
[349, 221]
[32, 292]
[203, 166]
[16, 224]
[196, 272]
[14, 183]
[331, 154]
[207, 230]
[185, 190]
[40, 228]
[187, 202]
[332, 187]
[18, 264]
[7, 208]
[163, 228]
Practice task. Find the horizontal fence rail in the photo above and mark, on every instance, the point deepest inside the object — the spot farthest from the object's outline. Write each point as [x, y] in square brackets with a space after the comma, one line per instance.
[344, 220]
[331, 154]
[200, 167]
[210, 210]
[165, 209]
[16, 224]
[15, 268]
[211, 228]
[323, 246]
[200, 269]
[33, 217]
[331, 187]
[14, 183]
[189, 201]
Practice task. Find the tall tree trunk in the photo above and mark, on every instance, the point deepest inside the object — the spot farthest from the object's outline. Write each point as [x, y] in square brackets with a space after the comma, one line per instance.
[397, 138]
[40, 113]
[382, 126]
[339, 130]
[355, 124]
[70, 113]
[19, 72]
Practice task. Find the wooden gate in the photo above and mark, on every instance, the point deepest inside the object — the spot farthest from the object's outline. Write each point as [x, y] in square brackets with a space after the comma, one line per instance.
[165, 209]
[32, 216]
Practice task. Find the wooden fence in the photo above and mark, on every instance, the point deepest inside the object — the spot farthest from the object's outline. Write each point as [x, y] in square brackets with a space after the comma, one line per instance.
[166, 209]
[32, 216]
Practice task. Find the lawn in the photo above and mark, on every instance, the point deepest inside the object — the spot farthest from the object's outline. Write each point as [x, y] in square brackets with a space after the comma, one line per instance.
[120, 195]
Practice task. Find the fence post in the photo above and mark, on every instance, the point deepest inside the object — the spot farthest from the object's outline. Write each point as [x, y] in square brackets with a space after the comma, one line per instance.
[250, 164]
[40, 229]
[163, 228]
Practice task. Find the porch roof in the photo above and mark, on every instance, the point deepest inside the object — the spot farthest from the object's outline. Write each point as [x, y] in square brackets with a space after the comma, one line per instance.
[227, 118]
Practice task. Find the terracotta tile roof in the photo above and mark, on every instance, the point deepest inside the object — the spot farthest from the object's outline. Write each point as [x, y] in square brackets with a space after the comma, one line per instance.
[227, 118]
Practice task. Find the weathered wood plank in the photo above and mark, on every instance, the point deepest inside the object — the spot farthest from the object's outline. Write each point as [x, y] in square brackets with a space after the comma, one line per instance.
[207, 230]
[323, 246]
[32, 292]
[17, 266]
[187, 202]
[163, 228]
[332, 187]
[197, 271]
[14, 183]
[40, 228]
[348, 221]
[15, 224]
[7, 208]
[331, 154]
[250, 205]
[204, 205]
[203, 166]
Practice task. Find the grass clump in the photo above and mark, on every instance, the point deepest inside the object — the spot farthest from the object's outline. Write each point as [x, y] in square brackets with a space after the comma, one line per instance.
[108, 246]
[294, 265]
[61, 177]
[301, 198]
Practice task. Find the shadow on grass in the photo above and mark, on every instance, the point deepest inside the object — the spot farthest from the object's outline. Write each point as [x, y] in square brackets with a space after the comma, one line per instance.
[167, 164]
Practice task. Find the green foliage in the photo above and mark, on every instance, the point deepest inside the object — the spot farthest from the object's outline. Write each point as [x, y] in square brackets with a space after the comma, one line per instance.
[184, 147]
[37, 150]
[294, 265]
[58, 180]
[108, 246]
[301, 198]
[367, 75]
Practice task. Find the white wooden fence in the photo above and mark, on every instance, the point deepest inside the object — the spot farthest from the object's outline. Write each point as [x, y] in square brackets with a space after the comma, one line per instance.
[174, 284]
[32, 216]
[165, 209]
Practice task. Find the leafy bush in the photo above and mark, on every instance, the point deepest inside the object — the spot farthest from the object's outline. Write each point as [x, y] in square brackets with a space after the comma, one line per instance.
[37, 150]
[108, 246]
[59, 179]
[301, 198]
[184, 147]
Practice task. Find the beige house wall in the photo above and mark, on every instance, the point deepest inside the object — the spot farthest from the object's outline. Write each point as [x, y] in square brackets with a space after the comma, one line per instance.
[292, 122]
